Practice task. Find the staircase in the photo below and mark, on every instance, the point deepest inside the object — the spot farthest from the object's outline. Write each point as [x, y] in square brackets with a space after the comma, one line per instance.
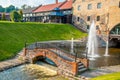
[81, 67]
[81, 27]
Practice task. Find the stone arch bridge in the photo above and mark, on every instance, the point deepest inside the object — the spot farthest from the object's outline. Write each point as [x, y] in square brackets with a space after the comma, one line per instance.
[67, 64]
[112, 35]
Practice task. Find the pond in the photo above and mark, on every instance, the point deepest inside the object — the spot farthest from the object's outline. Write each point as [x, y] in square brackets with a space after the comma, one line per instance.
[38, 71]
[16, 73]
[112, 59]
[33, 72]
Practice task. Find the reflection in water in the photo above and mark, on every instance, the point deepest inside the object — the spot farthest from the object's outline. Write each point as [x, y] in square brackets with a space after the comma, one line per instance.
[32, 72]
[16, 73]
[113, 59]
[29, 72]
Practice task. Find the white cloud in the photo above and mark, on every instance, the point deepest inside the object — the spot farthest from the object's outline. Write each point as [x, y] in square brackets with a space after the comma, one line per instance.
[19, 3]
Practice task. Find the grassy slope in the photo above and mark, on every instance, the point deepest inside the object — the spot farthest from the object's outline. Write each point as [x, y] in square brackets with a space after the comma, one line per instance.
[113, 76]
[14, 35]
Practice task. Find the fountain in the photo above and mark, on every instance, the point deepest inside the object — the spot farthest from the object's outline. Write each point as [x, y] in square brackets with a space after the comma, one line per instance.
[72, 47]
[106, 50]
[92, 44]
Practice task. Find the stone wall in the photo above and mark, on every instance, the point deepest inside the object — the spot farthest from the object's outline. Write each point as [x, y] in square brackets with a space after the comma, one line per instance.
[114, 18]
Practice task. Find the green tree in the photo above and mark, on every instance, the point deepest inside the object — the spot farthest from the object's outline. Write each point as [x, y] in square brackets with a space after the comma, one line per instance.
[1, 9]
[3, 16]
[16, 8]
[24, 6]
[15, 16]
[9, 8]
[21, 14]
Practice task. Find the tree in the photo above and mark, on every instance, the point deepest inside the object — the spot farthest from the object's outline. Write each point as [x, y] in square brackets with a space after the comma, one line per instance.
[28, 6]
[16, 8]
[21, 14]
[1, 9]
[3, 16]
[15, 16]
[11, 8]
[24, 6]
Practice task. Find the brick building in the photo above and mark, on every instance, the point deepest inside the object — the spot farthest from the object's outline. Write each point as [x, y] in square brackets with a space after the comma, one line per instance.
[106, 14]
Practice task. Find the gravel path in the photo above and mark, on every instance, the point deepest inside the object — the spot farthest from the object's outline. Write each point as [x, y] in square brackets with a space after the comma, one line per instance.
[101, 71]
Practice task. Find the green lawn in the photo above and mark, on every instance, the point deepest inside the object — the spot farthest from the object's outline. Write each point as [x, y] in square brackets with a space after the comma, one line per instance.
[113, 76]
[14, 35]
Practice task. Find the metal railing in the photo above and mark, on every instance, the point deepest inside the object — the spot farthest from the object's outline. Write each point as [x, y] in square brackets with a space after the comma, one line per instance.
[49, 47]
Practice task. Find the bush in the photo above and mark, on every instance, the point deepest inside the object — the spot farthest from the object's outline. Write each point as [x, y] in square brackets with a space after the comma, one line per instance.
[15, 16]
[3, 16]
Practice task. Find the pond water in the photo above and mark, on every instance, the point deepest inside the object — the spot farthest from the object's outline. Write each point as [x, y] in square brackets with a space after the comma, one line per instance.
[38, 71]
[21, 73]
[113, 59]
[16, 73]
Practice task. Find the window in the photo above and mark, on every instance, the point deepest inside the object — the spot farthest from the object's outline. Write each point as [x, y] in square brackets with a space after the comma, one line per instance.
[97, 27]
[83, 0]
[88, 27]
[89, 6]
[99, 5]
[98, 18]
[119, 4]
[79, 8]
[78, 18]
[88, 18]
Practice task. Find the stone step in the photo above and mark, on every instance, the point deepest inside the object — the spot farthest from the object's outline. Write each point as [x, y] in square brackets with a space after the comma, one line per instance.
[82, 70]
[82, 66]
[79, 64]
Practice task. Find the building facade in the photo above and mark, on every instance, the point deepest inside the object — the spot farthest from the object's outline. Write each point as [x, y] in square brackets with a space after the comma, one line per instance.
[105, 13]
[28, 14]
[59, 12]
[7, 16]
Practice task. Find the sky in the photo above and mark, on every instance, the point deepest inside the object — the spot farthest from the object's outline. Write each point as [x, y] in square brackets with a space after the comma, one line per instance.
[19, 3]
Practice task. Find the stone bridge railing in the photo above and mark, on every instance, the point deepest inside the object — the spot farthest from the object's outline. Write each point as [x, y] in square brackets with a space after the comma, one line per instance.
[115, 36]
[67, 64]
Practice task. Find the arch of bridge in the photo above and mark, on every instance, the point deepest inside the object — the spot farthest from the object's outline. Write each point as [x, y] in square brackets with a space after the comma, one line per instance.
[60, 62]
[117, 26]
[54, 57]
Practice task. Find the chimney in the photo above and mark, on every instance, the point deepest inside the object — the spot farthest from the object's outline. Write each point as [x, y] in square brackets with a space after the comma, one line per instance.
[56, 1]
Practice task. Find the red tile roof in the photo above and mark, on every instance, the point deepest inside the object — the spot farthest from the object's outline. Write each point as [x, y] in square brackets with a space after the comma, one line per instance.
[48, 7]
[62, 5]
[67, 5]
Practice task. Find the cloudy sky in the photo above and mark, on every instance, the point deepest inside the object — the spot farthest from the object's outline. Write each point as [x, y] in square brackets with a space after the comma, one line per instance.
[19, 3]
